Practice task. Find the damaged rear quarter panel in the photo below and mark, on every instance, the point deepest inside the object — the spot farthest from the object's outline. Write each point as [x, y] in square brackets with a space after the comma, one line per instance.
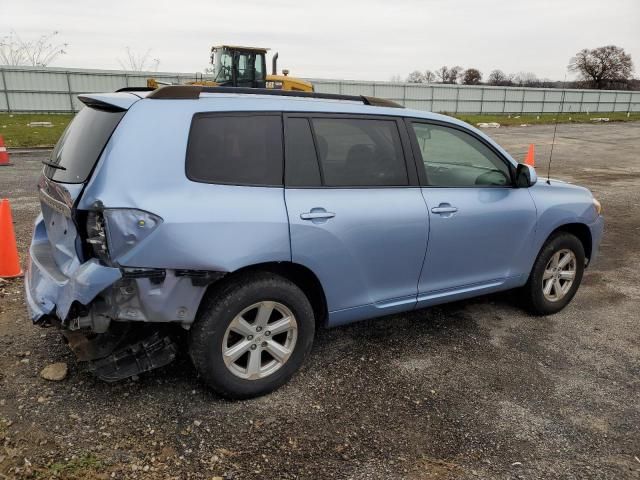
[204, 226]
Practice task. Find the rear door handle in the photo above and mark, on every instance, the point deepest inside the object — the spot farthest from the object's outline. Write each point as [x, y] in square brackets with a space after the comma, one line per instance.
[444, 208]
[317, 215]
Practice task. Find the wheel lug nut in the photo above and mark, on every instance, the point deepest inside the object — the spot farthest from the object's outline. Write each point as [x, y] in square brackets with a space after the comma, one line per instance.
[250, 337]
[258, 329]
[253, 347]
[264, 344]
[267, 333]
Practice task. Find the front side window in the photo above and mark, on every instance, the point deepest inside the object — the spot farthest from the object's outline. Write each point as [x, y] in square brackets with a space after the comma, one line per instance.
[359, 152]
[237, 150]
[453, 158]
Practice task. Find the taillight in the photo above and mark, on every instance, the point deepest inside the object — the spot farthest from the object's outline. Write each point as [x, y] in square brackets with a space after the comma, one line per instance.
[113, 232]
[96, 236]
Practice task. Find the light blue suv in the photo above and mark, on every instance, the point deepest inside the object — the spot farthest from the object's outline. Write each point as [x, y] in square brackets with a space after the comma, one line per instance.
[249, 217]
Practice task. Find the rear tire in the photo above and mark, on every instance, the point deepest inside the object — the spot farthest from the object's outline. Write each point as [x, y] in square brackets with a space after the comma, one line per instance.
[555, 276]
[236, 321]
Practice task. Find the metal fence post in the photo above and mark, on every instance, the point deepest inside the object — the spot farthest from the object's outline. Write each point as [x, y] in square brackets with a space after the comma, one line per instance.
[504, 99]
[69, 90]
[581, 100]
[431, 99]
[522, 102]
[615, 100]
[481, 99]
[6, 91]
[544, 99]
[404, 95]
[457, 96]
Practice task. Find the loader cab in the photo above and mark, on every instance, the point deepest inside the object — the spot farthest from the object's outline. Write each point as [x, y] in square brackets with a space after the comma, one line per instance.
[239, 66]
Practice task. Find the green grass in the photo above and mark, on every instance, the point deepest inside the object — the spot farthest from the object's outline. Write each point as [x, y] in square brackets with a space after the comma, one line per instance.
[81, 467]
[16, 132]
[547, 118]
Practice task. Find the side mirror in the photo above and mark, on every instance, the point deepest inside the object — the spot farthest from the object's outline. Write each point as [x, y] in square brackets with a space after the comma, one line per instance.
[525, 176]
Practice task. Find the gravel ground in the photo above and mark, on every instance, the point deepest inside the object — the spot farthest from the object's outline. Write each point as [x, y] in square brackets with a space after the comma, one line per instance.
[474, 389]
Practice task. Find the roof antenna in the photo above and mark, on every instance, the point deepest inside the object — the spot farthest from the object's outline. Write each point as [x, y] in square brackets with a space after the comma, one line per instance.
[555, 128]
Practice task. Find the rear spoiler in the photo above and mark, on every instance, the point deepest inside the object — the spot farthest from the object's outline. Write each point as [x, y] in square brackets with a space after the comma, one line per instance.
[109, 102]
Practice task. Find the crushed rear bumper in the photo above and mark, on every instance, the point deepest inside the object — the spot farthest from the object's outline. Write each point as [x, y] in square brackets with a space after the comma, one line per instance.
[118, 353]
[50, 292]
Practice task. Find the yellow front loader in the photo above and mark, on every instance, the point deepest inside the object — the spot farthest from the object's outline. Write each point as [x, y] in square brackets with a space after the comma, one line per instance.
[235, 66]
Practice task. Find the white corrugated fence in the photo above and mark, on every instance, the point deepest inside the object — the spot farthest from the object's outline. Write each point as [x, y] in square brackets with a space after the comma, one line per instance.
[29, 89]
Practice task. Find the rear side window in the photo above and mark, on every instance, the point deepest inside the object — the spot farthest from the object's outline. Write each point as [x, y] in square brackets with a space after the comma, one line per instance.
[235, 149]
[360, 152]
[80, 145]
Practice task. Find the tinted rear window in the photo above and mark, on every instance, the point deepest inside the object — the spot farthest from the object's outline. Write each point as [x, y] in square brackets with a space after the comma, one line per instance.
[80, 145]
[235, 149]
[360, 152]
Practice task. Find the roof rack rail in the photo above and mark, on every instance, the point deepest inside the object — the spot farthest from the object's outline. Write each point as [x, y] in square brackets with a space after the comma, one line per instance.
[175, 92]
[135, 89]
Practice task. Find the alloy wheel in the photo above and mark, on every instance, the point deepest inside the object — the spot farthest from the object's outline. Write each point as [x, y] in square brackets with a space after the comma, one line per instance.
[559, 275]
[259, 340]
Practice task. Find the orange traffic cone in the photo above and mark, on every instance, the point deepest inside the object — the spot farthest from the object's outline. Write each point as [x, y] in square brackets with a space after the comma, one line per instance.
[4, 155]
[531, 154]
[9, 263]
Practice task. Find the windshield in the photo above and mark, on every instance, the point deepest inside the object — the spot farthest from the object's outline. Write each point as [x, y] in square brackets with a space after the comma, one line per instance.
[78, 149]
[249, 66]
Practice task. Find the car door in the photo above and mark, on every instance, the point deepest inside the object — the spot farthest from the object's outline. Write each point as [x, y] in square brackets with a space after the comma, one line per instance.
[356, 213]
[481, 226]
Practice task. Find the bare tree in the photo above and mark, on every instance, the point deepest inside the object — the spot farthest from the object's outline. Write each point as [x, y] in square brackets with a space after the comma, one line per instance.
[454, 74]
[429, 76]
[499, 78]
[416, 77]
[471, 76]
[442, 74]
[602, 65]
[395, 79]
[526, 79]
[139, 62]
[448, 75]
[37, 53]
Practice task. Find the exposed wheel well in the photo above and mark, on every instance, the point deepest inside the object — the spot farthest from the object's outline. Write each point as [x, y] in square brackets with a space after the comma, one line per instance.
[581, 231]
[304, 278]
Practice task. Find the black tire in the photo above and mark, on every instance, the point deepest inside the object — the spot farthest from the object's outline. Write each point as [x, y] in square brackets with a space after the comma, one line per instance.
[220, 306]
[532, 292]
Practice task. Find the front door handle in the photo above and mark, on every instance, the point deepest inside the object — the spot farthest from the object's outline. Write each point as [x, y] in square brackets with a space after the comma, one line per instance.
[317, 214]
[444, 208]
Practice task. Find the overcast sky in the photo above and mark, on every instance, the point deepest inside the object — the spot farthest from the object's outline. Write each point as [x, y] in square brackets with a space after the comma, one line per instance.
[374, 39]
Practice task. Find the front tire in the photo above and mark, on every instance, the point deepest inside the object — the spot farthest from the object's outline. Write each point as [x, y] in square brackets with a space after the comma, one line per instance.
[251, 335]
[556, 275]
